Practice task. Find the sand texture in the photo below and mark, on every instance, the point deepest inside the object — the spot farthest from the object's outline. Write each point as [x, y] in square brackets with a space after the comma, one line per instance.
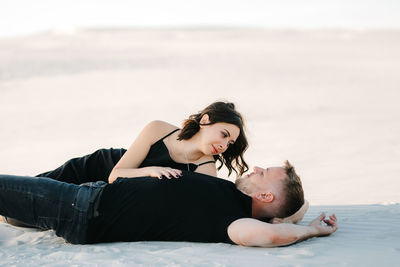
[368, 236]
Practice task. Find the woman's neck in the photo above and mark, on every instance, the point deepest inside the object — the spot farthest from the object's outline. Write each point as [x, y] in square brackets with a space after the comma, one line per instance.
[190, 148]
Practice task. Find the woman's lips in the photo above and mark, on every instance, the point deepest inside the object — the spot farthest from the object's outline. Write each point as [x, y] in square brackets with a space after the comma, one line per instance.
[214, 150]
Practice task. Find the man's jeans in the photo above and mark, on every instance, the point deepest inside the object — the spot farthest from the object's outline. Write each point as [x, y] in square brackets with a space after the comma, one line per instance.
[50, 204]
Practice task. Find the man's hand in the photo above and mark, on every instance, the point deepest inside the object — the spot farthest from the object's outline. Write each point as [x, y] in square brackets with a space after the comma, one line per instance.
[330, 227]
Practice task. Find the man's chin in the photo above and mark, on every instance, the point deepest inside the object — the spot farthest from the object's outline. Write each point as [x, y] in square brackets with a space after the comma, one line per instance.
[238, 182]
[241, 185]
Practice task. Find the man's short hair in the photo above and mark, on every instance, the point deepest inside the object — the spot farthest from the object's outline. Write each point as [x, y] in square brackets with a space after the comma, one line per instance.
[293, 192]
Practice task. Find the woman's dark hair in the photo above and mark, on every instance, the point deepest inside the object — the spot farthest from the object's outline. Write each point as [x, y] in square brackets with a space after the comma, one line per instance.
[221, 112]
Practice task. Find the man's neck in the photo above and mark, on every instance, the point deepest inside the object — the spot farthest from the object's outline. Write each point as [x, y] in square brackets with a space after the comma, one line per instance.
[257, 210]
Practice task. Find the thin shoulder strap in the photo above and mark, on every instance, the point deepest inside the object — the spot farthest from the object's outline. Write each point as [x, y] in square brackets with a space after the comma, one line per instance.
[169, 134]
[211, 161]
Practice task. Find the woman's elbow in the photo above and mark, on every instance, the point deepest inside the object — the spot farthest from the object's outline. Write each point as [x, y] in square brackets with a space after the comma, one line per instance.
[112, 177]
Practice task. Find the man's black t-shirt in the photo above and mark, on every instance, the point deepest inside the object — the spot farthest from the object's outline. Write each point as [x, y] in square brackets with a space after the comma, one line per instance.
[194, 207]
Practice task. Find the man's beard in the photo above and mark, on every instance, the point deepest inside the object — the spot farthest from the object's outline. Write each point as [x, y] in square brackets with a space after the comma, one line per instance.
[241, 185]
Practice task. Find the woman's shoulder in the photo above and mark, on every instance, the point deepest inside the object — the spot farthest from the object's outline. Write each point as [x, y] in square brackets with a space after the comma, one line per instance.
[161, 126]
[158, 129]
[206, 165]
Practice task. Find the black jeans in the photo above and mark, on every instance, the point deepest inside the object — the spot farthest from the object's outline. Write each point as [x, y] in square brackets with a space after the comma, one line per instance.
[49, 204]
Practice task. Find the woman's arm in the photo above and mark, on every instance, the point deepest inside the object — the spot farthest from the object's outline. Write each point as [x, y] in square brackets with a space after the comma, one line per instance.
[128, 165]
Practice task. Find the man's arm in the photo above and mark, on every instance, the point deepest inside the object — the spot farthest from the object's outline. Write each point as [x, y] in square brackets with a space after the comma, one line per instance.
[255, 233]
[295, 218]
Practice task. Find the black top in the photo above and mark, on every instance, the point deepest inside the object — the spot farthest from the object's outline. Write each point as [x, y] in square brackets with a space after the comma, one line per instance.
[194, 207]
[98, 165]
[159, 156]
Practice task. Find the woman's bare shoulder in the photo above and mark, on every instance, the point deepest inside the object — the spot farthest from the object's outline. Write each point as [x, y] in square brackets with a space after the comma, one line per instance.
[207, 165]
[158, 129]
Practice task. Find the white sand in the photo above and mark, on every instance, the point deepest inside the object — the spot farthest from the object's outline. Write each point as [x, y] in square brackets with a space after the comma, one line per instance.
[326, 100]
[368, 236]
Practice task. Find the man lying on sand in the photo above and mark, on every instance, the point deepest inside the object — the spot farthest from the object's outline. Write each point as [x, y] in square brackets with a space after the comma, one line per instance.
[195, 207]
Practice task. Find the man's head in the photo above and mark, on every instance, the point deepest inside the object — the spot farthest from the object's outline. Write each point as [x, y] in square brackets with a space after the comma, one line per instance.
[276, 191]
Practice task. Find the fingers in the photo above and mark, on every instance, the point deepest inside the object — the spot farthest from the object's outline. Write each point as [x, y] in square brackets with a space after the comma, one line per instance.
[176, 173]
[332, 222]
[332, 219]
[168, 173]
[330, 227]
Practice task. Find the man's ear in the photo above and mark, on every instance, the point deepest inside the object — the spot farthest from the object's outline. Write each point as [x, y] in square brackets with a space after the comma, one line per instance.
[205, 119]
[266, 197]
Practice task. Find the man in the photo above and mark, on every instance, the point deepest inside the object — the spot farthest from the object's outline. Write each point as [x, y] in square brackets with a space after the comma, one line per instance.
[195, 207]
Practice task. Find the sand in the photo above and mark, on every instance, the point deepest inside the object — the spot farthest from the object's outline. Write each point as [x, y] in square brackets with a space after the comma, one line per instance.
[325, 100]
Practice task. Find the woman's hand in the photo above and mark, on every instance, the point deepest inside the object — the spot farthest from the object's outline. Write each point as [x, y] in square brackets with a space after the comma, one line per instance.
[167, 172]
[152, 171]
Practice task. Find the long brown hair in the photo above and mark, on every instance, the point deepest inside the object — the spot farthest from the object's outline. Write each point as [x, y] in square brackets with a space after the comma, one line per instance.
[221, 112]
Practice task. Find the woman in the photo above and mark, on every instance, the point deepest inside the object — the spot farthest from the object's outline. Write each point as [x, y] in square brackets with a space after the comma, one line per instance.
[163, 150]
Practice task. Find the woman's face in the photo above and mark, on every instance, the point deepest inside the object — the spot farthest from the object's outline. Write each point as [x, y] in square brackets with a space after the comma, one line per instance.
[217, 137]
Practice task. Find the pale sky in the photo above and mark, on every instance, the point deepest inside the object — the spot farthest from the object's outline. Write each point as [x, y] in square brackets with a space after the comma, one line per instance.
[27, 16]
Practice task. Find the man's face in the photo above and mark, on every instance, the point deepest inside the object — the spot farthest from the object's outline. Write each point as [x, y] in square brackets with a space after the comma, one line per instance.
[269, 179]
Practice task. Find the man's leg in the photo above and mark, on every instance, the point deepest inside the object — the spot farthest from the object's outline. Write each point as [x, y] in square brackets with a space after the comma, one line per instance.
[50, 204]
[90, 168]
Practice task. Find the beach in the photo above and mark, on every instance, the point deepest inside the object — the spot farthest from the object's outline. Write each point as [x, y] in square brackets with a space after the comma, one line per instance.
[326, 100]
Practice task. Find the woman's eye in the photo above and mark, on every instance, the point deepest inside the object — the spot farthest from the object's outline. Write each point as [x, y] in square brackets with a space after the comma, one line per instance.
[224, 134]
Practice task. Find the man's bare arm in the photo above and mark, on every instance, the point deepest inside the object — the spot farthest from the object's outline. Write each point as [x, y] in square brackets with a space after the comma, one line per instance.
[295, 218]
[255, 233]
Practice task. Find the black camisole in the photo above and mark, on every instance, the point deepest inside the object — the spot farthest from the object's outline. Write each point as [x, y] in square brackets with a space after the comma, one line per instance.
[159, 156]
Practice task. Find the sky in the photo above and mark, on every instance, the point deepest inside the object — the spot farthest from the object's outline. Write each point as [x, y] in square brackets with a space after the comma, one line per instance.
[26, 16]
